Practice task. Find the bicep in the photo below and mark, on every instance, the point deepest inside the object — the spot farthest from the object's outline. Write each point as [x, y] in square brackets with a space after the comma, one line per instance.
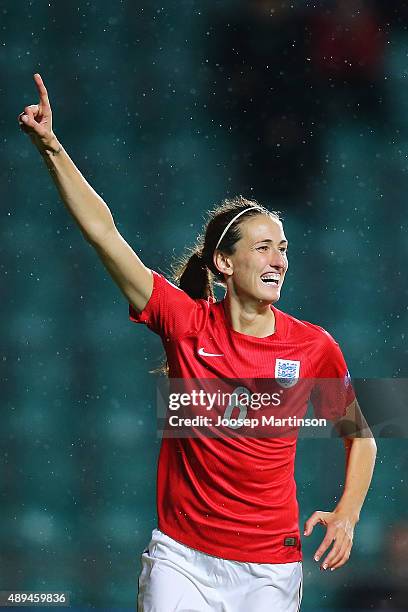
[133, 278]
[353, 424]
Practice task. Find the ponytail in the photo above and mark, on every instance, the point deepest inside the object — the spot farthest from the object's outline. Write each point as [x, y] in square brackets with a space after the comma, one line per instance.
[196, 272]
[193, 277]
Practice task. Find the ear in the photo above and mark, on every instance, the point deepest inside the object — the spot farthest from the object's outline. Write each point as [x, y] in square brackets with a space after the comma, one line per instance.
[223, 263]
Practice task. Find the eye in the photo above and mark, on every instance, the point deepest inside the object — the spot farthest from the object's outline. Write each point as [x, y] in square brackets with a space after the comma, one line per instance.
[283, 250]
[262, 248]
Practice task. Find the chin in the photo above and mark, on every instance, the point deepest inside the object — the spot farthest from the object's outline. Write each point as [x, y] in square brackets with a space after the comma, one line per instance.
[271, 296]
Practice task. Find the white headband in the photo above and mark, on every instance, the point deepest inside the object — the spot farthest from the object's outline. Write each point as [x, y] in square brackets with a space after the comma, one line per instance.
[233, 221]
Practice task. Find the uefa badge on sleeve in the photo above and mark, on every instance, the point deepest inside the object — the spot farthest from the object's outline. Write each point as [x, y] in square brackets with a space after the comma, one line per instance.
[287, 372]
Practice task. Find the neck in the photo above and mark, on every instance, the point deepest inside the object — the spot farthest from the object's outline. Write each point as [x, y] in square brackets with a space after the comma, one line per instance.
[251, 318]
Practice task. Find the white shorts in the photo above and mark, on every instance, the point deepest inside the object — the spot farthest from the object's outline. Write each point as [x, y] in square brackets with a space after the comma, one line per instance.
[176, 578]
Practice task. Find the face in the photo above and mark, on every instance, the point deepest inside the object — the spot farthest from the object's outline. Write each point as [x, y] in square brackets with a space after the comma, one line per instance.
[257, 268]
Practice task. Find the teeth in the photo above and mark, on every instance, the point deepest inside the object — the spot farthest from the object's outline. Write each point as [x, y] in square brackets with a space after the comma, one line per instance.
[270, 277]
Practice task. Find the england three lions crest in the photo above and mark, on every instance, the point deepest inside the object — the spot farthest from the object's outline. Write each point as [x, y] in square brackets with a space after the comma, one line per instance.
[287, 372]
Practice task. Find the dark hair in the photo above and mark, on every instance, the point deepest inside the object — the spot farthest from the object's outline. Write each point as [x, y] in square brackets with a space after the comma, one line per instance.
[195, 272]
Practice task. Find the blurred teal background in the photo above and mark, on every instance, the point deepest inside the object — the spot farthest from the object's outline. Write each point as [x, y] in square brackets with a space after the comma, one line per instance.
[167, 108]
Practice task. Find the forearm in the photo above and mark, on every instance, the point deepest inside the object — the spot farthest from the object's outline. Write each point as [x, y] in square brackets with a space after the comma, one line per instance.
[85, 205]
[360, 460]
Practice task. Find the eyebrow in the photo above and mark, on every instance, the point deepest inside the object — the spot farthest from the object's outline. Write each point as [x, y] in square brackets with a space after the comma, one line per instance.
[269, 240]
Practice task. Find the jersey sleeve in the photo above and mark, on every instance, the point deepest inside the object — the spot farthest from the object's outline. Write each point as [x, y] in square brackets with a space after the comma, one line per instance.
[333, 391]
[170, 312]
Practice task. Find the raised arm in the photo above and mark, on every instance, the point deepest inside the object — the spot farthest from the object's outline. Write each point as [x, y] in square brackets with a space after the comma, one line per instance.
[85, 205]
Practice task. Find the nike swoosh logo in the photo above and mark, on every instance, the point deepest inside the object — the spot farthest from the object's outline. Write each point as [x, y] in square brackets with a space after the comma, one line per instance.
[202, 352]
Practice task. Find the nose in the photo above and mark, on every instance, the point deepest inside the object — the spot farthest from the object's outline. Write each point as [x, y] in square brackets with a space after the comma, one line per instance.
[278, 259]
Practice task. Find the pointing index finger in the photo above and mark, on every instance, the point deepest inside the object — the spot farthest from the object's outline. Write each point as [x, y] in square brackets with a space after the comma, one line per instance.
[42, 91]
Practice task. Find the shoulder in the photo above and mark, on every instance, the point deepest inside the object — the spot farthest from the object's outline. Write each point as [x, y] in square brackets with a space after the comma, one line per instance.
[180, 302]
[325, 351]
[305, 330]
[170, 311]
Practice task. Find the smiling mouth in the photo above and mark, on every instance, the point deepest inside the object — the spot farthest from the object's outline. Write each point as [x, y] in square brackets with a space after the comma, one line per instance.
[271, 279]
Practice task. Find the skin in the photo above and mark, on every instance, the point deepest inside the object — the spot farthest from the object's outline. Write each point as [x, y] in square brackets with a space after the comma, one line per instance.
[87, 208]
[262, 248]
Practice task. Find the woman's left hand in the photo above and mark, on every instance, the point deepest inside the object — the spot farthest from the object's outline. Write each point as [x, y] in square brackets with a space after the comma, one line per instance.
[340, 530]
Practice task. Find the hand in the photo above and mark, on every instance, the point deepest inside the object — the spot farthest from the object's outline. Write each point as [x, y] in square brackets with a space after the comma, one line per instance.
[340, 530]
[36, 119]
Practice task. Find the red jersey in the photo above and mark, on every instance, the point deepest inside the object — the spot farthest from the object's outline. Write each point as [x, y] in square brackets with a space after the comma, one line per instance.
[235, 498]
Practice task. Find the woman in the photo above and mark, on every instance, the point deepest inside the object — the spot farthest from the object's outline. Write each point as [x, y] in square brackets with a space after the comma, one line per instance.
[228, 536]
